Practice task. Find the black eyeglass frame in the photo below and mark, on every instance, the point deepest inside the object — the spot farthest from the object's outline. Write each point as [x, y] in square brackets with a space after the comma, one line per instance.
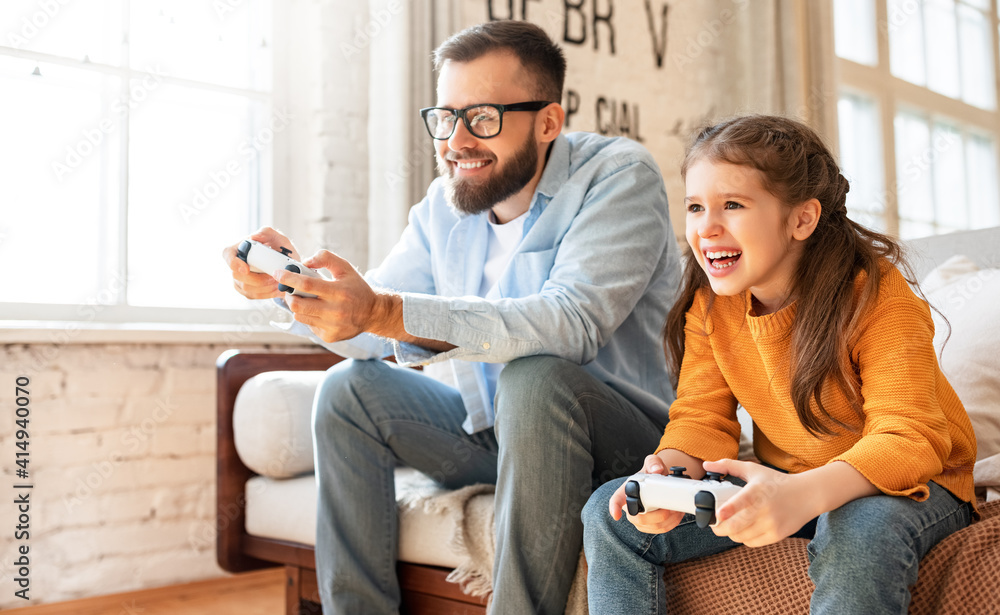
[535, 105]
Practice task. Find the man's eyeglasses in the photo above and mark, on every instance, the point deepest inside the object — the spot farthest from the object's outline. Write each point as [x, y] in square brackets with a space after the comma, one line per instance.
[483, 121]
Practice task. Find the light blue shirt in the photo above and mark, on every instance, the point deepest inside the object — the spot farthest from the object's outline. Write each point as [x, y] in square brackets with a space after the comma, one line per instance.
[591, 280]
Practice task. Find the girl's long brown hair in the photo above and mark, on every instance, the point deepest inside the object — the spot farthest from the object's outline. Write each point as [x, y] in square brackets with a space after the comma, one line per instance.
[795, 166]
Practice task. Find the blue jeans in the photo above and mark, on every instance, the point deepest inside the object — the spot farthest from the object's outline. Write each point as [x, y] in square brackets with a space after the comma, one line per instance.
[863, 556]
[559, 432]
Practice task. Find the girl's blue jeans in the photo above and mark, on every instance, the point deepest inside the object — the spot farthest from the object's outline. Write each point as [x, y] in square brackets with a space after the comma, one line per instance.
[863, 556]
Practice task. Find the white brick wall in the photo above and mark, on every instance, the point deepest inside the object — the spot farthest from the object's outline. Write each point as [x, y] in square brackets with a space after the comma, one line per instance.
[123, 467]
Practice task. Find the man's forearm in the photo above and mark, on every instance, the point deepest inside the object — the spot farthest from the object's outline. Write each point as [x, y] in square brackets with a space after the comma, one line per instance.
[387, 321]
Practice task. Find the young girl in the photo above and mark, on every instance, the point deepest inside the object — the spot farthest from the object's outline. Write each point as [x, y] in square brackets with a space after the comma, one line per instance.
[800, 315]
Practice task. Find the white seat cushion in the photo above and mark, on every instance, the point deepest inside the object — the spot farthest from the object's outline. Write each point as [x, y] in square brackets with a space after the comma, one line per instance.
[285, 509]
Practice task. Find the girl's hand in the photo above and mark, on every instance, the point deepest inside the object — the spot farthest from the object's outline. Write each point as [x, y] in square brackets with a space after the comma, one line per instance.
[655, 522]
[771, 507]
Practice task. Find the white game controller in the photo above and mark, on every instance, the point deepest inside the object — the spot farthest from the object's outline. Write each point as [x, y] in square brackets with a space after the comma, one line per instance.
[678, 491]
[263, 259]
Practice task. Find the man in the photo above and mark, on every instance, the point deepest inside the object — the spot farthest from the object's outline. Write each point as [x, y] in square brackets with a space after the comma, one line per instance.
[536, 274]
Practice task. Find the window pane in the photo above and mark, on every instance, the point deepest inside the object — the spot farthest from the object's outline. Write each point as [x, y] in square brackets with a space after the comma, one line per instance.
[58, 170]
[854, 30]
[861, 160]
[984, 203]
[978, 87]
[76, 30]
[948, 166]
[942, 47]
[914, 187]
[204, 41]
[193, 183]
[983, 5]
[906, 40]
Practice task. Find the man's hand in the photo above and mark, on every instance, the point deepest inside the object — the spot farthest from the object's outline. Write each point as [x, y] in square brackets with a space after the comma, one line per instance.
[343, 308]
[257, 285]
[655, 522]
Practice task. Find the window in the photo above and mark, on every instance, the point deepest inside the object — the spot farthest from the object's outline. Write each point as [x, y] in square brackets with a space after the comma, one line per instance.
[137, 143]
[917, 113]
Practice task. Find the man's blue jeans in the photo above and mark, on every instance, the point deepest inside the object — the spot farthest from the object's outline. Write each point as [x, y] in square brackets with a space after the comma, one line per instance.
[559, 432]
[863, 556]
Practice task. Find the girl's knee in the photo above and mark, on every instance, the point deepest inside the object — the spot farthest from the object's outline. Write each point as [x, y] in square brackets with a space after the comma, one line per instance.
[595, 512]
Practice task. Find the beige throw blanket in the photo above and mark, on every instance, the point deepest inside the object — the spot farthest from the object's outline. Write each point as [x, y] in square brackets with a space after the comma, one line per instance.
[475, 544]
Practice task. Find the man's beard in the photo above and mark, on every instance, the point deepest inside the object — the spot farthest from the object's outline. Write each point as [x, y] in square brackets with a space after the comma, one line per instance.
[473, 197]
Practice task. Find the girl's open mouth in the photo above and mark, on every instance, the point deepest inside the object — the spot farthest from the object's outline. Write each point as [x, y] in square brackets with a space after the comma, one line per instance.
[723, 259]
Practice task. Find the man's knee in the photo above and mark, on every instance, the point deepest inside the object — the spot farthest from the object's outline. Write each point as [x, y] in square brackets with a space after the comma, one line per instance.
[533, 379]
[343, 390]
[538, 393]
[537, 368]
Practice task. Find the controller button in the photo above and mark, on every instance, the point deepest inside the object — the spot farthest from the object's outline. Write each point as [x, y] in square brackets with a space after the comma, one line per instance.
[704, 517]
[285, 251]
[243, 250]
[716, 476]
[632, 500]
[704, 499]
[293, 268]
[678, 471]
[704, 505]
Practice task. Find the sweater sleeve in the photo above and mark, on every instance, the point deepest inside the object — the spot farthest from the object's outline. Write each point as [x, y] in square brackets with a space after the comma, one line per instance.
[703, 420]
[905, 440]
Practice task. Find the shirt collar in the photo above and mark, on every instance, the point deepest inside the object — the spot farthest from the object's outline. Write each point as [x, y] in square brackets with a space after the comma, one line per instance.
[556, 172]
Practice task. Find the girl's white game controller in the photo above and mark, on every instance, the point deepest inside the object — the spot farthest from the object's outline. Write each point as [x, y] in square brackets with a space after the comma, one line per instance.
[701, 498]
[263, 259]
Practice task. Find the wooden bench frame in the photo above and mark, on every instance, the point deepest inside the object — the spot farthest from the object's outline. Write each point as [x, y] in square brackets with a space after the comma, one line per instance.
[424, 588]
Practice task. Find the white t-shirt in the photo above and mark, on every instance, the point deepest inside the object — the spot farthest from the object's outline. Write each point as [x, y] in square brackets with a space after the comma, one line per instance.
[503, 240]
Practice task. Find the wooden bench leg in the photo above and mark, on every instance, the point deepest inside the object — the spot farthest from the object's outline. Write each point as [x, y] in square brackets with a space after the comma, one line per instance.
[301, 592]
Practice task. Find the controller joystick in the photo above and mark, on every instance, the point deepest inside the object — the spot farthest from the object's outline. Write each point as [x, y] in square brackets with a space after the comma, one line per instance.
[701, 498]
[263, 259]
[678, 471]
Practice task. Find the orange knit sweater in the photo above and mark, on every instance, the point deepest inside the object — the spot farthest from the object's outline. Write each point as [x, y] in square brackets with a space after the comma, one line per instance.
[915, 428]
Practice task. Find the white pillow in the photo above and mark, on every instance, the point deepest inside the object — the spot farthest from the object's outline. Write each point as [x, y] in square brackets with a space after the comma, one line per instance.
[272, 422]
[969, 297]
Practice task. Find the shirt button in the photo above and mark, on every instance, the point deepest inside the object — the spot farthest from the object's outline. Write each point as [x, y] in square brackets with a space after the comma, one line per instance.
[486, 345]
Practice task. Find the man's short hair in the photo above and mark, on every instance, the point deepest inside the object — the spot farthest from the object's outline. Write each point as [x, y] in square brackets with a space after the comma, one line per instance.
[530, 44]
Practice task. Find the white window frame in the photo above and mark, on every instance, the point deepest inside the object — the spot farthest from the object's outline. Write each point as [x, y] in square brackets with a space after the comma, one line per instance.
[42, 322]
[892, 94]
